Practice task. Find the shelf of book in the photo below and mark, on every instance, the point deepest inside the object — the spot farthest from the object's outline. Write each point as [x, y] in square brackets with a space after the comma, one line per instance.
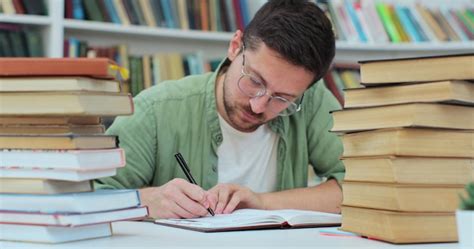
[134, 30]
[35, 20]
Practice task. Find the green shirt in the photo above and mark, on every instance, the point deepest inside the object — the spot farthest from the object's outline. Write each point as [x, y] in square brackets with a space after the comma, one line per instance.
[181, 116]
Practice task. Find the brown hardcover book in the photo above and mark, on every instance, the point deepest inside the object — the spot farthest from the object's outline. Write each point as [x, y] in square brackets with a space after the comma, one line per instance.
[57, 142]
[455, 92]
[65, 103]
[32, 120]
[402, 197]
[400, 227]
[52, 129]
[404, 115]
[91, 67]
[42, 186]
[421, 69]
[43, 84]
[410, 170]
[410, 142]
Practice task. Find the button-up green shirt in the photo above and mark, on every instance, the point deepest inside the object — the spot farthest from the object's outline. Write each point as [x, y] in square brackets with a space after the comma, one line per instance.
[181, 116]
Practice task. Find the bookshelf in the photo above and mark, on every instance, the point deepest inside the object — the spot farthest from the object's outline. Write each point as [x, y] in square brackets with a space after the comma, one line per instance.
[146, 40]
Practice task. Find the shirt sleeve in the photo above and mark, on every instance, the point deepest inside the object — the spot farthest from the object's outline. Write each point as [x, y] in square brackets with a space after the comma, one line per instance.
[137, 136]
[325, 148]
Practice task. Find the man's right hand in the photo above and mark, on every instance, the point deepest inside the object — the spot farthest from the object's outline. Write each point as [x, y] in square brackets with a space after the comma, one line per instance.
[176, 199]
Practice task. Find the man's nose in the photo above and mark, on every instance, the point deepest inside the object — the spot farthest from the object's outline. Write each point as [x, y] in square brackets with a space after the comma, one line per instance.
[259, 104]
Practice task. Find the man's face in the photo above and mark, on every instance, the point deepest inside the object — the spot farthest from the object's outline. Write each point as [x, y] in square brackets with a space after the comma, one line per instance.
[280, 79]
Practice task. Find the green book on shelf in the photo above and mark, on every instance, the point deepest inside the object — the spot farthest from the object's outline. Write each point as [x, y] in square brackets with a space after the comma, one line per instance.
[92, 10]
[34, 43]
[384, 13]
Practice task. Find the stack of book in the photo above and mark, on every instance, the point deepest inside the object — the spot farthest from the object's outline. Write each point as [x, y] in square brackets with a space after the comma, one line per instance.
[52, 145]
[408, 147]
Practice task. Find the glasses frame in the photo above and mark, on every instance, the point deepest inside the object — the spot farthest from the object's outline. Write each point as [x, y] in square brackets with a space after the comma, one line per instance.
[288, 111]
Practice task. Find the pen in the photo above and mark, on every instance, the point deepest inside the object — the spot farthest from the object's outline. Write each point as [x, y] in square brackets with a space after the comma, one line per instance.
[184, 166]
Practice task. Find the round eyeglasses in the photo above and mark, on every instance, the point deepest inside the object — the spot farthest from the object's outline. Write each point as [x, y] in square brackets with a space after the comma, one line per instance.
[254, 88]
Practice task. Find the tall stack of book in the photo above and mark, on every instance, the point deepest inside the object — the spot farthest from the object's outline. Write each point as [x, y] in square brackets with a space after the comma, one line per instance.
[408, 147]
[52, 145]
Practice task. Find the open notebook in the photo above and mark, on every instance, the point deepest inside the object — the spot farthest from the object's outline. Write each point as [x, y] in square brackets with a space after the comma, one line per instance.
[249, 219]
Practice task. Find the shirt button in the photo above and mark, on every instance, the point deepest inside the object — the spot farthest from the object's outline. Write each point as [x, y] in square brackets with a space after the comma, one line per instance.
[214, 168]
[218, 138]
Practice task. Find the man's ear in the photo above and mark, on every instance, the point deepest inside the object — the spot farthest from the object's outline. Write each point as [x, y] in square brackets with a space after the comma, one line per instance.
[235, 45]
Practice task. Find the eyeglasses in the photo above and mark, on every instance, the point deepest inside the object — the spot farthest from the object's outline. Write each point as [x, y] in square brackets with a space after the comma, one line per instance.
[254, 88]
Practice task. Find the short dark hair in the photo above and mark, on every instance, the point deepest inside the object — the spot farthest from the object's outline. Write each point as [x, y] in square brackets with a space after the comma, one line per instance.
[296, 29]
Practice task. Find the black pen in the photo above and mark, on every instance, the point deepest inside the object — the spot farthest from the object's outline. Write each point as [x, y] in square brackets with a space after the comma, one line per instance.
[184, 166]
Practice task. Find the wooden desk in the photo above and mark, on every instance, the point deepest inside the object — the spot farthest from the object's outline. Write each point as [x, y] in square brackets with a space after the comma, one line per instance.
[149, 235]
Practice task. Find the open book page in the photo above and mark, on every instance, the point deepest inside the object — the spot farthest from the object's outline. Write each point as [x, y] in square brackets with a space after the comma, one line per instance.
[251, 219]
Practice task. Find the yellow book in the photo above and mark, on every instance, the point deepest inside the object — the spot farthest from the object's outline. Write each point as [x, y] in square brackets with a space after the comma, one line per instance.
[42, 186]
[452, 92]
[52, 129]
[43, 84]
[50, 120]
[410, 170]
[410, 142]
[405, 115]
[65, 103]
[400, 227]
[402, 197]
[421, 69]
[57, 142]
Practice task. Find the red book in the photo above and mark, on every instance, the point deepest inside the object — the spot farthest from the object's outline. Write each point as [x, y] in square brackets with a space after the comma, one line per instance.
[89, 67]
[238, 15]
[331, 85]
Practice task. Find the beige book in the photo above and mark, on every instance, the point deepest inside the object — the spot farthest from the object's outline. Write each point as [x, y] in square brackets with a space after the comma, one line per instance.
[65, 103]
[43, 84]
[455, 92]
[410, 170]
[49, 120]
[121, 12]
[145, 6]
[57, 142]
[183, 14]
[402, 197]
[404, 115]
[146, 63]
[42, 186]
[421, 69]
[400, 227]
[410, 142]
[52, 129]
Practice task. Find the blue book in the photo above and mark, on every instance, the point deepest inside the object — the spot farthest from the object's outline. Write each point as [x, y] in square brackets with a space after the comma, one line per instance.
[245, 12]
[355, 21]
[168, 14]
[112, 11]
[417, 26]
[77, 10]
[406, 23]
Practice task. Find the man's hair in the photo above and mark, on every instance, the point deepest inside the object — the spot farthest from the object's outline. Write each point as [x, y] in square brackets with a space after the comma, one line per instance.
[298, 30]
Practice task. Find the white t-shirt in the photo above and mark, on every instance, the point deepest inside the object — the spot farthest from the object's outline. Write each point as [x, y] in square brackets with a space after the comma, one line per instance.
[248, 159]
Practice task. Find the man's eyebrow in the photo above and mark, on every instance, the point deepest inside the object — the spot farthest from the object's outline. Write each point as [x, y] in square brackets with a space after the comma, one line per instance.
[265, 83]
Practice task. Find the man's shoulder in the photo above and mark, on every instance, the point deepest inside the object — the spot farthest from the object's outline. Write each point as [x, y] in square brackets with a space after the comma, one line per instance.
[175, 90]
[318, 95]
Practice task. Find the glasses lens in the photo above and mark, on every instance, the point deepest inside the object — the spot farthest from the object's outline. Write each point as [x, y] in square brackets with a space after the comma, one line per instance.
[250, 87]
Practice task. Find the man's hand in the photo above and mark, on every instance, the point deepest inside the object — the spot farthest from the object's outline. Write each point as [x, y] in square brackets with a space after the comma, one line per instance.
[225, 198]
[176, 199]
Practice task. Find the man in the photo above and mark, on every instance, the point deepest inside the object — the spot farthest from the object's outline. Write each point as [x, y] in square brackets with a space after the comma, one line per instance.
[246, 131]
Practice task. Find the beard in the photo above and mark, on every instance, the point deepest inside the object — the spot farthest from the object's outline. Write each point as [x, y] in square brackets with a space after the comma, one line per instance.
[236, 112]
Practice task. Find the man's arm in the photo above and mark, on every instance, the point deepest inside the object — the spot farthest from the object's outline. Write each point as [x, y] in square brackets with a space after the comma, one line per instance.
[326, 197]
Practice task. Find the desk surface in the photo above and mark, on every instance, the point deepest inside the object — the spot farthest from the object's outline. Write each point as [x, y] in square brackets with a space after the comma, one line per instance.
[145, 234]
